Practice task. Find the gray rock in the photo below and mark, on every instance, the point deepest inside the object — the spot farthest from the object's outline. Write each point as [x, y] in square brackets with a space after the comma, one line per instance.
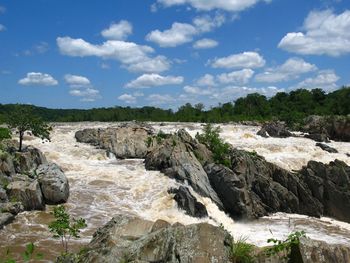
[326, 148]
[27, 192]
[274, 129]
[3, 195]
[176, 159]
[318, 137]
[28, 160]
[12, 207]
[6, 218]
[187, 202]
[53, 183]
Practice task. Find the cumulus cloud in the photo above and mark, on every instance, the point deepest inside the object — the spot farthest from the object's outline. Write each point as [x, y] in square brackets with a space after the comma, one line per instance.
[38, 79]
[127, 98]
[153, 80]
[132, 56]
[325, 80]
[290, 69]
[198, 91]
[81, 87]
[205, 43]
[325, 33]
[118, 31]
[2, 28]
[181, 33]
[227, 5]
[206, 80]
[236, 77]
[241, 60]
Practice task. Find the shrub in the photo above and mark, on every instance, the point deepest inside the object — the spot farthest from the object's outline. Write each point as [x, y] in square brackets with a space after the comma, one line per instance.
[240, 251]
[211, 138]
[5, 133]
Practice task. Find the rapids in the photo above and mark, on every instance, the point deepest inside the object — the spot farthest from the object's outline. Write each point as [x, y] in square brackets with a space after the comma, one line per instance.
[102, 186]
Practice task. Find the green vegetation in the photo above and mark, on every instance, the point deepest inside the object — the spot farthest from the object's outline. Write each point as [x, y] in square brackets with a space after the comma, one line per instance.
[240, 251]
[65, 228]
[28, 255]
[290, 107]
[211, 138]
[5, 133]
[23, 120]
[288, 248]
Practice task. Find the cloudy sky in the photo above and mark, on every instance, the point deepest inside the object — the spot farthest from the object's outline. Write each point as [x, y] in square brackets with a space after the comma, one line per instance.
[84, 54]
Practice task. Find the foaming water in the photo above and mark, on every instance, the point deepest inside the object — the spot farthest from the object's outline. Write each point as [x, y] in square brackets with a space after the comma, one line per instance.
[102, 186]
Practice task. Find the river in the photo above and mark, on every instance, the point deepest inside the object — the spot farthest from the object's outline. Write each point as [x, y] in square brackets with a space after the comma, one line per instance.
[102, 186]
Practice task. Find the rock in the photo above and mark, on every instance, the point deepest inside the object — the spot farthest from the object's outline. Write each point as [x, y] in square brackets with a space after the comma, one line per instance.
[53, 183]
[28, 160]
[313, 251]
[318, 137]
[6, 218]
[27, 192]
[3, 195]
[7, 168]
[12, 207]
[175, 158]
[127, 239]
[330, 184]
[335, 127]
[126, 141]
[274, 129]
[326, 148]
[186, 201]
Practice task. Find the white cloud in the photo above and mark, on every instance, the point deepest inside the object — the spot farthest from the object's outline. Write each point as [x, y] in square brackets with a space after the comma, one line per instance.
[127, 98]
[181, 33]
[81, 87]
[205, 43]
[206, 5]
[290, 69]
[325, 33]
[206, 80]
[241, 60]
[237, 77]
[198, 91]
[2, 28]
[160, 99]
[133, 57]
[38, 78]
[75, 81]
[153, 80]
[325, 80]
[118, 31]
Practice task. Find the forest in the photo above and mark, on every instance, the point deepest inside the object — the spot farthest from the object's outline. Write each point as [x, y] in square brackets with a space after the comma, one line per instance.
[290, 107]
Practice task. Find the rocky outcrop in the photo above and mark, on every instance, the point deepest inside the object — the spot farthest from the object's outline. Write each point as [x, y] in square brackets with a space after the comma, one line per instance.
[318, 137]
[187, 202]
[334, 127]
[326, 148]
[53, 183]
[28, 160]
[129, 239]
[175, 158]
[128, 140]
[27, 192]
[6, 218]
[274, 129]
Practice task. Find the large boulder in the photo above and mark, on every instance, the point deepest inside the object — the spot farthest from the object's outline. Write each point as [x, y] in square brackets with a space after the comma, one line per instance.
[274, 129]
[129, 239]
[27, 192]
[128, 140]
[53, 183]
[28, 160]
[334, 127]
[187, 202]
[176, 159]
[6, 218]
[326, 148]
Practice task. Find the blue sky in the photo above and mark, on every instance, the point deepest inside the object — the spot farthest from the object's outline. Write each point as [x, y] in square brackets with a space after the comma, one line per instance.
[84, 54]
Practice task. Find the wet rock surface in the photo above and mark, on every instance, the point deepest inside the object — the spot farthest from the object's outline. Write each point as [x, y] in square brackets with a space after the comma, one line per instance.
[274, 129]
[327, 148]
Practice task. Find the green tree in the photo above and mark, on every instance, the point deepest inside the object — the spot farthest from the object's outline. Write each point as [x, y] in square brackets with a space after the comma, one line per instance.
[23, 120]
[4, 133]
[65, 228]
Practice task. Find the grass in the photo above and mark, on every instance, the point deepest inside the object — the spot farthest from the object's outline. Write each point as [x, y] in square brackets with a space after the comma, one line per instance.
[240, 251]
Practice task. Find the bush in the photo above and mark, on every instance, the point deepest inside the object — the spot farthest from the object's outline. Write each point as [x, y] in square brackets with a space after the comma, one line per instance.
[240, 251]
[5, 134]
[211, 138]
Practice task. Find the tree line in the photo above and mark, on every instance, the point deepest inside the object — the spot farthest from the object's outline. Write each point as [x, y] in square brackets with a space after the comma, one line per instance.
[291, 107]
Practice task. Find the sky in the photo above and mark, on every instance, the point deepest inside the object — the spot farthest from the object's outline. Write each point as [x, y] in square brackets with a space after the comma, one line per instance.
[165, 53]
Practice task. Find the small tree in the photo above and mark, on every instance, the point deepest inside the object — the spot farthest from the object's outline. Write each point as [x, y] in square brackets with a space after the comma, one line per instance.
[23, 120]
[64, 228]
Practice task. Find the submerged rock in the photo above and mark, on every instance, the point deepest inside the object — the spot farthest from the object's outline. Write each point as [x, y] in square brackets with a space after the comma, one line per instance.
[53, 183]
[188, 202]
[326, 148]
[274, 129]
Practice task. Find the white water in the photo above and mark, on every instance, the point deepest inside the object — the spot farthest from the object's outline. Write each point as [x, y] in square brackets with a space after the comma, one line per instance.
[101, 187]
